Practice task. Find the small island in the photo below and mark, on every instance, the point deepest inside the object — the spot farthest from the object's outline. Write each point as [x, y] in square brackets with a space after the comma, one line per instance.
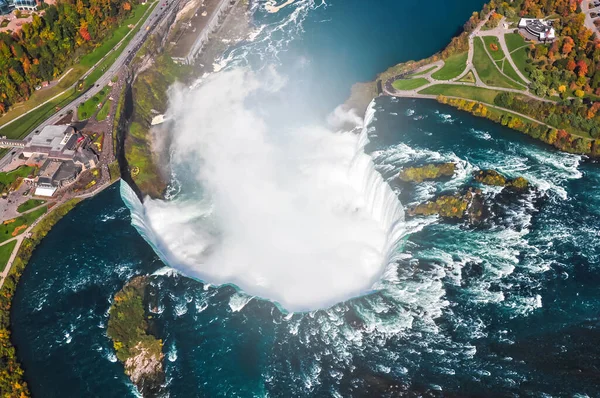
[138, 350]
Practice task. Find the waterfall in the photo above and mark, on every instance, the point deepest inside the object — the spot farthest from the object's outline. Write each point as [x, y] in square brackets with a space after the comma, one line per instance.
[180, 230]
[380, 199]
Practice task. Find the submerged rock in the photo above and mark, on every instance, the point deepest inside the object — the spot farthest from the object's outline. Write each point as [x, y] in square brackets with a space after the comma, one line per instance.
[428, 172]
[138, 350]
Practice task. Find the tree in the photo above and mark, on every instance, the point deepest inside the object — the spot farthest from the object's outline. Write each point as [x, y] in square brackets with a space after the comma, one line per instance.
[571, 65]
[579, 93]
[567, 46]
[582, 68]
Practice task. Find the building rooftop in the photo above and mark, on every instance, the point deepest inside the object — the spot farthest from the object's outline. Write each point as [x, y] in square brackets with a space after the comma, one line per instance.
[53, 139]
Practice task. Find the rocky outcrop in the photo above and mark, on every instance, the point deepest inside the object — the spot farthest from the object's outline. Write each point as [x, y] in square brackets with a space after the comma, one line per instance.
[493, 178]
[428, 172]
[138, 350]
[469, 206]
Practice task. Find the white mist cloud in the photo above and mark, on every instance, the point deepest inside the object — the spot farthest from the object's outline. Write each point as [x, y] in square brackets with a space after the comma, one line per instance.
[273, 211]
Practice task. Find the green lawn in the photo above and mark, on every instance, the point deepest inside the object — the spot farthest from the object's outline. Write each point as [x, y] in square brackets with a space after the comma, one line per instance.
[519, 57]
[514, 41]
[89, 107]
[468, 78]
[7, 229]
[487, 70]
[424, 71]
[498, 54]
[409, 84]
[30, 204]
[453, 67]
[103, 113]
[468, 92]
[6, 179]
[510, 72]
[5, 252]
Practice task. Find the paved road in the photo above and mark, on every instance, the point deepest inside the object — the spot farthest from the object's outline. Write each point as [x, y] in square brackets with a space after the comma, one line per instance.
[586, 7]
[122, 61]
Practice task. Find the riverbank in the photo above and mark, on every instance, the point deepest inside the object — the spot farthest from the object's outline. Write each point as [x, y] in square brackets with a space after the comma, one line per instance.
[490, 70]
[145, 147]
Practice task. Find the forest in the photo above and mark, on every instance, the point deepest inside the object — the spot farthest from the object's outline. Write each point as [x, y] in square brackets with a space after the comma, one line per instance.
[569, 66]
[43, 49]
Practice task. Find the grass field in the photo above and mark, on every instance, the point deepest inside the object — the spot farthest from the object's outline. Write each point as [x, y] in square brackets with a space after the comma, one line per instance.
[409, 84]
[16, 226]
[5, 252]
[514, 41]
[510, 72]
[519, 57]
[468, 92]
[30, 204]
[6, 179]
[453, 67]
[487, 70]
[89, 107]
[498, 54]
[103, 113]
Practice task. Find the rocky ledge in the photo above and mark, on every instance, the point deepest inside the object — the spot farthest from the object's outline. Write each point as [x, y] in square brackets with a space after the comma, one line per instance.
[428, 172]
[138, 350]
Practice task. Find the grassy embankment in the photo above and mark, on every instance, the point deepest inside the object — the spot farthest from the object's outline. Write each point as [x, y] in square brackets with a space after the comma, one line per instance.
[409, 84]
[470, 92]
[149, 93]
[25, 125]
[12, 383]
[5, 252]
[30, 204]
[453, 67]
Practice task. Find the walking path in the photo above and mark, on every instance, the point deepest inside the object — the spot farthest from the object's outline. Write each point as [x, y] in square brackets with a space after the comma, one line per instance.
[498, 32]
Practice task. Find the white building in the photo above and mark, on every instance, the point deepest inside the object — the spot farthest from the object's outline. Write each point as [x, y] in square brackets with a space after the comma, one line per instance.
[539, 28]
